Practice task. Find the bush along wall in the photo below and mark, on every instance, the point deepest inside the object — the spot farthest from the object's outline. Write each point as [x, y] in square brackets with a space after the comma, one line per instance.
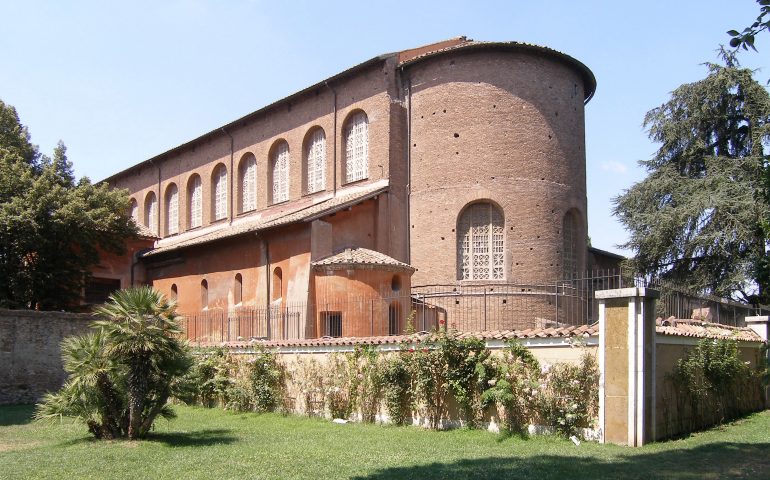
[426, 383]
[711, 384]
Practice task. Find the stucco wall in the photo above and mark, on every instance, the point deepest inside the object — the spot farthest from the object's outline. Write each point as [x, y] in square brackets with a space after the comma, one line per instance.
[30, 354]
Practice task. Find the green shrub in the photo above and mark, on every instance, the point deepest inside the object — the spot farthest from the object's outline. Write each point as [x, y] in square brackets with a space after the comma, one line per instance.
[396, 381]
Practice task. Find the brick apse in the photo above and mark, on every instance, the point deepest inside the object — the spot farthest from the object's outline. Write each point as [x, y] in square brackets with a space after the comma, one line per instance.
[460, 163]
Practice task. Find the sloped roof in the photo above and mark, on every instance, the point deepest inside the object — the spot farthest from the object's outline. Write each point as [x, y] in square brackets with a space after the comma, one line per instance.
[299, 213]
[700, 329]
[357, 256]
[144, 231]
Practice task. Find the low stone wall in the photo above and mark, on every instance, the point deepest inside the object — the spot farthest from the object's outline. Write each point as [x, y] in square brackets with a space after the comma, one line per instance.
[30, 355]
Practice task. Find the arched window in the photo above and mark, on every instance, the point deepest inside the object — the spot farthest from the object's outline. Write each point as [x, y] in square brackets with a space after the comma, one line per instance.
[277, 285]
[204, 294]
[238, 289]
[195, 199]
[219, 193]
[174, 292]
[569, 230]
[133, 210]
[248, 174]
[356, 135]
[315, 161]
[151, 212]
[172, 210]
[279, 164]
[481, 243]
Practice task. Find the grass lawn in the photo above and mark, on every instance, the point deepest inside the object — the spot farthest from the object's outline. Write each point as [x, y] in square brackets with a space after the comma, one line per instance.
[210, 443]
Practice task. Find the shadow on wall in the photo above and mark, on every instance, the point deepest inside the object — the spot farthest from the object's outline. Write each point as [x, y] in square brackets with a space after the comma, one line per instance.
[715, 460]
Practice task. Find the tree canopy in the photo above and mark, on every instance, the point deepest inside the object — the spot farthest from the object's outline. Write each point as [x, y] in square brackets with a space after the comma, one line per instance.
[52, 227]
[700, 216]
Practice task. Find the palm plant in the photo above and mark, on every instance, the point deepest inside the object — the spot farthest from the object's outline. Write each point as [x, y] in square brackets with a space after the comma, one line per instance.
[142, 331]
[120, 376]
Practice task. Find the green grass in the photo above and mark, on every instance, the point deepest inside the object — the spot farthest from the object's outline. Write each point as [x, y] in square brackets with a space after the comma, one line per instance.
[210, 443]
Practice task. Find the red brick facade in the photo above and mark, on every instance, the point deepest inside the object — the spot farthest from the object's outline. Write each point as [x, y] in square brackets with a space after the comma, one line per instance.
[447, 126]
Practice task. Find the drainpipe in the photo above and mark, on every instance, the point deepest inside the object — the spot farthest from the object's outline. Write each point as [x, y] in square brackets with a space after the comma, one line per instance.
[231, 177]
[159, 200]
[334, 143]
[408, 87]
[136, 262]
[266, 249]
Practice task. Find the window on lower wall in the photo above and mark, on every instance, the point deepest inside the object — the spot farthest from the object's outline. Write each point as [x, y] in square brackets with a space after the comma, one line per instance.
[394, 318]
[332, 324]
[98, 290]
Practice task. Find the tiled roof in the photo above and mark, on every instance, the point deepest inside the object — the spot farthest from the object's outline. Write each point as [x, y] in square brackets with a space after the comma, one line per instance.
[700, 329]
[360, 257]
[299, 213]
[683, 328]
[144, 231]
[582, 331]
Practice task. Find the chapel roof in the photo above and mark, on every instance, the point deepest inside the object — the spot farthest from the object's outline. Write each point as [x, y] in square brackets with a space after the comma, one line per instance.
[358, 257]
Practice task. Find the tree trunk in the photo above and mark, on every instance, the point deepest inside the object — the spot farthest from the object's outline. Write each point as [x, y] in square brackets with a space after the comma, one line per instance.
[137, 389]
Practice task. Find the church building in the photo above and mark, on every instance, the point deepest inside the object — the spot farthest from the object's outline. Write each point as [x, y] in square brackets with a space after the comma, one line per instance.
[459, 163]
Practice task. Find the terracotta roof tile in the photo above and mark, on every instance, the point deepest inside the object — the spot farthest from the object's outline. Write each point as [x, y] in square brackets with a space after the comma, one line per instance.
[701, 329]
[301, 212]
[358, 256]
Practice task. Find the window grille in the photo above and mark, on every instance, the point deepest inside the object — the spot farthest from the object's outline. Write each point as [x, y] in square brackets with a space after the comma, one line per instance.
[281, 173]
[394, 318]
[98, 290]
[357, 148]
[172, 210]
[332, 323]
[316, 162]
[151, 213]
[569, 233]
[220, 193]
[481, 243]
[249, 185]
[196, 203]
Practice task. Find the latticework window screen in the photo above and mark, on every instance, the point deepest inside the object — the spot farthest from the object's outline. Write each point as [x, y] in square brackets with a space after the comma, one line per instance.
[220, 193]
[357, 148]
[316, 162]
[196, 203]
[481, 243]
[281, 173]
[249, 185]
[172, 210]
[151, 213]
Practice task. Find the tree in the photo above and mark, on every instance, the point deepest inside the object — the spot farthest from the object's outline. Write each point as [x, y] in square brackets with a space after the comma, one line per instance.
[121, 376]
[51, 226]
[745, 38]
[698, 218]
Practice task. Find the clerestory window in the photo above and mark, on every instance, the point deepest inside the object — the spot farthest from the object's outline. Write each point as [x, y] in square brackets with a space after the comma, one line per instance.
[481, 243]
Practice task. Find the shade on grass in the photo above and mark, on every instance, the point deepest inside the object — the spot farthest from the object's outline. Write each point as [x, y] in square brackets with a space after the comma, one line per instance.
[210, 443]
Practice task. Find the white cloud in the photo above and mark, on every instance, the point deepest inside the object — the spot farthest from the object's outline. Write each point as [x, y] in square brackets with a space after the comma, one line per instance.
[614, 167]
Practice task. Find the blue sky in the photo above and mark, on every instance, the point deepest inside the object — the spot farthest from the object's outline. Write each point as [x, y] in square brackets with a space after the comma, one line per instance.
[120, 82]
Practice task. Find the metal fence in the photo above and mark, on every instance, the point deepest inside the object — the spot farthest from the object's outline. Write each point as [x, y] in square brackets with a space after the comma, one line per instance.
[462, 306]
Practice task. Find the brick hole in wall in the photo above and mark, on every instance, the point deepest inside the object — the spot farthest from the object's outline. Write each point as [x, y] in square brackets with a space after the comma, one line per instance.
[457, 135]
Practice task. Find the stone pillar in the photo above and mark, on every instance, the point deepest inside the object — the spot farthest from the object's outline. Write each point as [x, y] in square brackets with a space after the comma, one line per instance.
[627, 365]
[761, 325]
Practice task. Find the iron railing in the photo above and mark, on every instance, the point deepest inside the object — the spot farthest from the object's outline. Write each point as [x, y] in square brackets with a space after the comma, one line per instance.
[465, 306]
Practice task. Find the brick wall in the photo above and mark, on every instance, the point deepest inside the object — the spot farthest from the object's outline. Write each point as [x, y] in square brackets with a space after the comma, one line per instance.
[30, 357]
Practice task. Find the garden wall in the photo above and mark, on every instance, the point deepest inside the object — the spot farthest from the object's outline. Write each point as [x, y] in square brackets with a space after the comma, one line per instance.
[308, 364]
[30, 357]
